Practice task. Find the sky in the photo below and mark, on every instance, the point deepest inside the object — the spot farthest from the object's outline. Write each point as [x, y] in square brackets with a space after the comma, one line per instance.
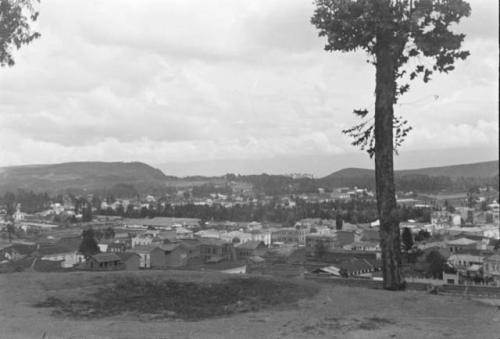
[210, 87]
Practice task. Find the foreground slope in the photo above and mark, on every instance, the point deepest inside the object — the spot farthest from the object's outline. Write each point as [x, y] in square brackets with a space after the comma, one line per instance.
[335, 312]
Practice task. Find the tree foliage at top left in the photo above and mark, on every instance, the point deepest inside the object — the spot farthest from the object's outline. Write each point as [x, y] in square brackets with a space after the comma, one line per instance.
[16, 18]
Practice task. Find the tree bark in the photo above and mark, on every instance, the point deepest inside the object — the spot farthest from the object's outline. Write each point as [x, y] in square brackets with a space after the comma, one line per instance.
[390, 241]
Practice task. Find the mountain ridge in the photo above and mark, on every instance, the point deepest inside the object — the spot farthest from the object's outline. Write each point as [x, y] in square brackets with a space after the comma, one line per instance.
[89, 176]
[477, 170]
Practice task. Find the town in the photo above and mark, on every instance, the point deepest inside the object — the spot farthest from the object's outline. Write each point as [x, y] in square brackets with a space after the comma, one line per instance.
[249, 169]
[453, 239]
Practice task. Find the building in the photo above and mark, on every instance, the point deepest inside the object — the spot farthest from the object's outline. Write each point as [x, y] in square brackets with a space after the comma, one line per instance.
[209, 233]
[491, 268]
[316, 243]
[130, 260]
[372, 234]
[169, 255]
[236, 237]
[104, 262]
[261, 235]
[250, 249]
[346, 237]
[363, 246]
[144, 253]
[216, 250]
[285, 235]
[461, 244]
[469, 261]
[352, 267]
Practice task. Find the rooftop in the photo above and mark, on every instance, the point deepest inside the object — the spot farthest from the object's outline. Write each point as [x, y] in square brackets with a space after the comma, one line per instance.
[250, 245]
[461, 242]
[105, 257]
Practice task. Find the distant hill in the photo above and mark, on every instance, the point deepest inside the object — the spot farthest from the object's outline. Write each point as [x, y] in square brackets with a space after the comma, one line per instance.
[81, 177]
[127, 179]
[366, 177]
[476, 170]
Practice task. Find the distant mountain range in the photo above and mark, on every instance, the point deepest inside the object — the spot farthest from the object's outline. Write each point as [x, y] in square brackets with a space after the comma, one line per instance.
[129, 176]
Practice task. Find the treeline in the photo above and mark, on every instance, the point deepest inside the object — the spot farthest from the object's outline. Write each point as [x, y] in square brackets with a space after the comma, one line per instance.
[353, 211]
[30, 201]
[420, 183]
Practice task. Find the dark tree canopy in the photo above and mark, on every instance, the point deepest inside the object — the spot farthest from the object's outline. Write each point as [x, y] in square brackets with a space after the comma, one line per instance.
[339, 221]
[407, 238]
[88, 246]
[437, 263]
[15, 31]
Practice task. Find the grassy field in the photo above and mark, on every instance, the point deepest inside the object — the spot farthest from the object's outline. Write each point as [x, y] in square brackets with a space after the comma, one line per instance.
[162, 298]
[115, 305]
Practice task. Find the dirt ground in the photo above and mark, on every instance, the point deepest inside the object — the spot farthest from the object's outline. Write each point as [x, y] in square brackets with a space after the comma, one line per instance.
[335, 312]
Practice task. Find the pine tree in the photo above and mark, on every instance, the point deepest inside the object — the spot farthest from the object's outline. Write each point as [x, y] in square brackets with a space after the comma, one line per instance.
[393, 33]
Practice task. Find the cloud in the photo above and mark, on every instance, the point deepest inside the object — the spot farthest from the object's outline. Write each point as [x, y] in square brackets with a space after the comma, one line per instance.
[162, 81]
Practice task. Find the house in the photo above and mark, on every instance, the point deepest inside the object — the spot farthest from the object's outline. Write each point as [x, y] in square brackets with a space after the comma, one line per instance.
[103, 247]
[131, 260]
[236, 237]
[345, 238]
[468, 261]
[461, 244]
[261, 235]
[352, 267]
[316, 243]
[215, 249]
[451, 276]
[170, 235]
[285, 235]
[144, 253]
[250, 249]
[372, 234]
[104, 262]
[491, 268]
[183, 233]
[435, 247]
[116, 247]
[210, 233]
[169, 255]
[141, 240]
[363, 246]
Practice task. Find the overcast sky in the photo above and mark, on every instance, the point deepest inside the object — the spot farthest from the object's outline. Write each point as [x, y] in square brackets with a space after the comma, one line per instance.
[181, 81]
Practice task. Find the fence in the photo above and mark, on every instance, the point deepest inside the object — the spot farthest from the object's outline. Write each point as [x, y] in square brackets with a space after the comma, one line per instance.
[465, 290]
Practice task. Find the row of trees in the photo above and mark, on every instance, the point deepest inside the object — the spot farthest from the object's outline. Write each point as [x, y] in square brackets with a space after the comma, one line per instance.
[353, 211]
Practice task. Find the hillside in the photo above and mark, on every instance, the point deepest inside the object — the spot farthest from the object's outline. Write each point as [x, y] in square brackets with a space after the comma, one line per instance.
[127, 179]
[366, 177]
[80, 176]
[334, 312]
[476, 170]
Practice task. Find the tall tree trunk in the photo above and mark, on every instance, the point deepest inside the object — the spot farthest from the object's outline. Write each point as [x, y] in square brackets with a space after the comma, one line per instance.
[390, 242]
